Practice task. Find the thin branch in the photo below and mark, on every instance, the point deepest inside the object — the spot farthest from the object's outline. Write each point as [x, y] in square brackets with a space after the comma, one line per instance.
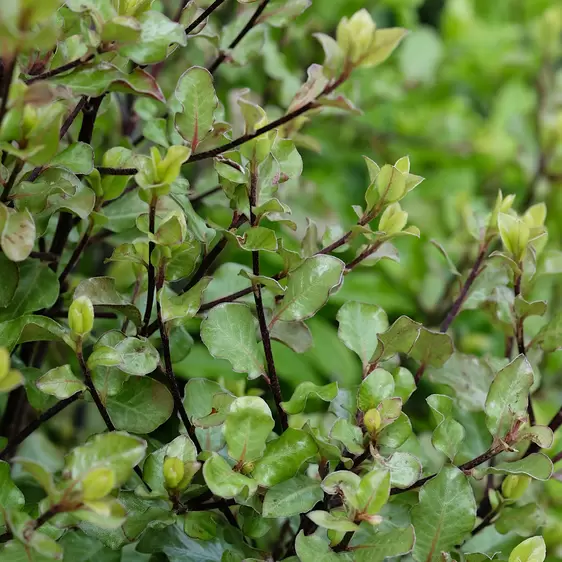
[44, 256]
[206, 263]
[245, 30]
[151, 270]
[343, 545]
[72, 117]
[10, 448]
[7, 76]
[272, 378]
[474, 272]
[77, 253]
[198, 198]
[11, 180]
[60, 69]
[469, 465]
[205, 14]
[172, 382]
[116, 171]
[33, 525]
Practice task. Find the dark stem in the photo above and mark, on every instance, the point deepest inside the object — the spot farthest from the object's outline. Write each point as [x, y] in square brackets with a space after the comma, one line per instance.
[469, 465]
[273, 379]
[362, 256]
[344, 544]
[92, 389]
[245, 30]
[10, 448]
[195, 23]
[198, 198]
[44, 256]
[72, 116]
[11, 180]
[9, 66]
[474, 272]
[151, 270]
[76, 254]
[172, 382]
[60, 69]
[33, 525]
[116, 171]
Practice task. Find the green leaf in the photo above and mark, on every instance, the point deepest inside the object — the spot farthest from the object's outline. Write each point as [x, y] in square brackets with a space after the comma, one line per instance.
[432, 348]
[468, 377]
[373, 544]
[311, 548]
[18, 233]
[184, 305]
[445, 514]
[405, 469]
[397, 433]
[116, 450]
[229, 333]
[297, 495]
[224, 482]
[537, 466]
[77, 157]
[258, 238]
[350, 435]
[311, 89]
[359, 325]
[246, 428]
[399, 338]
[142, 405]
[508, 396]
[27, 298]
[60, 382]
[10, 495]
[138, 356]
[157, 34]
[153, 468]
[331, 521]
[521, 519]
[295, 335]
[201, 525]
[30, 328]
[530, 550]
[103, 294]
[386, 40]
[94, 80]
[549, 337]
[40, 474]
[283, 457]
[196, 94]
[377, 386]
[404, 383]
[309, 287]
[449, 433]
[297, 403]
[8, 281]
[373, 491]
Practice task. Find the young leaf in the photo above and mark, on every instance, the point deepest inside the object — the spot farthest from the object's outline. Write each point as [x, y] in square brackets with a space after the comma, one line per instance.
[10, 495]
[60, 382]
[373, 492]
[449, 433]
[301, 394]
[377, 386]
[530, 550]
[309, 287]
[116, 450]
[508, 396]
[224, 482]
[537, 466]
[142, 405]
[246, 428]
[312, 548]
[229, 333]
[283, 457]
[196, 94]
[297, 495]
[445, 514]
[359, 325]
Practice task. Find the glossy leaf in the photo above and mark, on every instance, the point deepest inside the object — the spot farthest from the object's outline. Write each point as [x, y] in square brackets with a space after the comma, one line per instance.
[297, 403]
[291, 497]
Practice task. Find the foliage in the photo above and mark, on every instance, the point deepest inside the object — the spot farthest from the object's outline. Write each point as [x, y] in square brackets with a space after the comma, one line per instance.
[227, 336]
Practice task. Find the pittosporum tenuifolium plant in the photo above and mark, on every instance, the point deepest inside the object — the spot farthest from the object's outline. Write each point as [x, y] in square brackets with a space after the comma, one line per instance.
[208, 351]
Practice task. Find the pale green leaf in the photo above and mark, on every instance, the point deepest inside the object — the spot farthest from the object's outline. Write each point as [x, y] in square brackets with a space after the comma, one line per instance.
[304, 391]
[297, 495]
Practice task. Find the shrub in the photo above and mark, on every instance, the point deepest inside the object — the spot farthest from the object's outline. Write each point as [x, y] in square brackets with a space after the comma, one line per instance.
[156, 302]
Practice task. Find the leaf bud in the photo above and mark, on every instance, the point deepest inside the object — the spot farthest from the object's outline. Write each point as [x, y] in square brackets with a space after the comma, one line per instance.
[356, 35]
[535, 216]
[514, 234]
[391, 184]
[98, 483]
[174, 471]
[81, 316]
[393, 220]
[515, 485]
[372, 420]
[4, 362]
